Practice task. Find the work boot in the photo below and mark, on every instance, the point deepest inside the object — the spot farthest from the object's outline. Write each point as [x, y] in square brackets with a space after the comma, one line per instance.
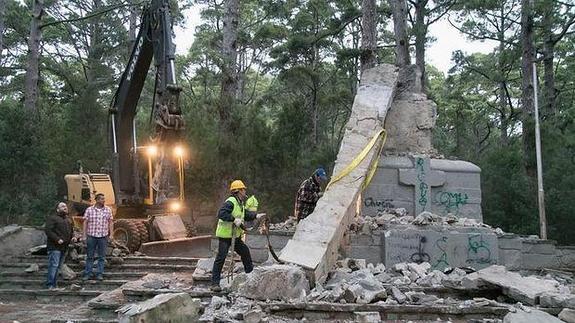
[215, 288]
[99, 278]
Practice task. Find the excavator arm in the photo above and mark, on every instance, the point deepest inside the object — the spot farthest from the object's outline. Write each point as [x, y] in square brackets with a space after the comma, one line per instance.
[153, 41]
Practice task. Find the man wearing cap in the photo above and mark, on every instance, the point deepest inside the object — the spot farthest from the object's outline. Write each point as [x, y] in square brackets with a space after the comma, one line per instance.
[308, 194]
[231, 217]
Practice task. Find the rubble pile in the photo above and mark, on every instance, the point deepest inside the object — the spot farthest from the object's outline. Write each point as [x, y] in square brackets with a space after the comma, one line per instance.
[400, 216]
[288, 225]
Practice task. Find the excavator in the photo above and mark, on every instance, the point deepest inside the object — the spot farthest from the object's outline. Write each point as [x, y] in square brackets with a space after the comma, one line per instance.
[146, 189]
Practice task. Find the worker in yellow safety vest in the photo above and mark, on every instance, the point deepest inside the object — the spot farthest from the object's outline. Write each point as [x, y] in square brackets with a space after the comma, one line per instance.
[231, 217]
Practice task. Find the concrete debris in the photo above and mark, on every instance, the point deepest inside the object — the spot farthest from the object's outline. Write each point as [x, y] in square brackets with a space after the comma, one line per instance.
[567, 315]
[32, 268]
[203, 267]
[217, 302]
[222, 309]
[523, 289]
[177, 307]
[289, 225]
[399, 296]
[533, 316]
[367, 317]
[557, 300]
[277, 282]
[366, 224]
[67, 273]
[74, 287]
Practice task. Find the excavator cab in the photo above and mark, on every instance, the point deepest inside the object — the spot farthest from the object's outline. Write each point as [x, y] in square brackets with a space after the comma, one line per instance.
[82, 189]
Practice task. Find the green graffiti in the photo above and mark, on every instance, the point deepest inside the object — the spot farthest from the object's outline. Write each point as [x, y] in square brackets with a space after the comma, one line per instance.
[451, 201]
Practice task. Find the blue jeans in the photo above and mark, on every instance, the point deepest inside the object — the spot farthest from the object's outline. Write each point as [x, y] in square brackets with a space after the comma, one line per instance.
[55, 260]
[93, 244]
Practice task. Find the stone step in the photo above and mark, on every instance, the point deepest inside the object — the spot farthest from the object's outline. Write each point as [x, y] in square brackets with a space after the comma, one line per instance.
[414, 313]
[47, 296]
[127, 260]
[110, 275]
[150, 268]
[201, 292]
[35, 284]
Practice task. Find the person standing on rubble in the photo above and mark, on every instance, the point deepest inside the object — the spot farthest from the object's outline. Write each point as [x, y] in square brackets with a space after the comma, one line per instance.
[98, 226]
[308, 194]
[59, 233]
[231, 217]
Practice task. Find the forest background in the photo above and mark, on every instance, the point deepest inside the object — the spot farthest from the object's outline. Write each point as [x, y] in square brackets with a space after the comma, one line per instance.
[269, 85]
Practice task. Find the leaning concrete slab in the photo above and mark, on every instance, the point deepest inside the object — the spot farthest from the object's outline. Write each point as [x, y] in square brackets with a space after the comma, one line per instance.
[316, 241]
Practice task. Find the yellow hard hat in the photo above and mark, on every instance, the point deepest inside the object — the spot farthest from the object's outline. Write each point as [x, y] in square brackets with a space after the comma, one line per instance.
[237, 185]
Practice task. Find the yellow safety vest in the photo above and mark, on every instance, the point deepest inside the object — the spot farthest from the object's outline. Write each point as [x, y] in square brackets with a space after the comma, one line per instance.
[224, 229]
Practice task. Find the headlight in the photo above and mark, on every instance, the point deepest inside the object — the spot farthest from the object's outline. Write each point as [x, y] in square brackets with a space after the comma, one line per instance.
[175, 206]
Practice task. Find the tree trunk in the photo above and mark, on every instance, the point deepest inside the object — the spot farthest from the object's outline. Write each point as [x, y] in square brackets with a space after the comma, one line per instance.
[503, 118]
[369, 35]
[2, 14]
[527, 58]
[399, 11]
[420, 30]
[548, 57]
[33, 70]
[133, 25]
[229, 83]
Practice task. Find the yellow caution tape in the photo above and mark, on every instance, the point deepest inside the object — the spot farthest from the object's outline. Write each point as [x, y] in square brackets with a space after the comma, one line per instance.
[357, 160]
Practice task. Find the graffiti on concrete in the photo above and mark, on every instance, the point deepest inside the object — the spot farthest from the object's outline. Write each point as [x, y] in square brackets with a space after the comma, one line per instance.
[423, 187]
[420, 256]
[441, 261]
[441, 249]
[478, 251]
[450, 201]
[379, 205]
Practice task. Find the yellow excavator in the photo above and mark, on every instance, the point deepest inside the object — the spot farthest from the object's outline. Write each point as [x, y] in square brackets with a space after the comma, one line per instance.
[146, 189]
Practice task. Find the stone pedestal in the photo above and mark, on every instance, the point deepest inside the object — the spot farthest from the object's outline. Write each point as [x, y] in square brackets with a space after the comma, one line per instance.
[440, 246]
[419, 183]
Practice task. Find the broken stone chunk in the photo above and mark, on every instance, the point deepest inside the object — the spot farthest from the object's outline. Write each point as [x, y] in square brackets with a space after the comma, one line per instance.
[534, 316]
[277, 282]
[32, 268]
[398, 295]
[567, 315]
[66, 272]
[178, 307]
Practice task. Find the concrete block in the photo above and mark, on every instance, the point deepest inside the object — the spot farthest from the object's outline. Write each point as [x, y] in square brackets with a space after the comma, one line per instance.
[567, 315]
[567, 257]
[510, 258]
[458, 193]
[539, 261]
[510, 242]
[545, 247]
[522, 289]
[173, 308]
[170, 227]
[534, 316]
[475, 248]
[371, 254]
[361, 239]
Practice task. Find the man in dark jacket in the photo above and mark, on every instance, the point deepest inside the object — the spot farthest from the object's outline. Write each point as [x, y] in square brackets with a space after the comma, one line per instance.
[308, 194]
[60, 232]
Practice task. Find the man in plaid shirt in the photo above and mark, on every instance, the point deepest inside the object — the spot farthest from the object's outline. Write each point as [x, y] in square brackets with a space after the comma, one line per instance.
[98, 226]
[308, 194]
